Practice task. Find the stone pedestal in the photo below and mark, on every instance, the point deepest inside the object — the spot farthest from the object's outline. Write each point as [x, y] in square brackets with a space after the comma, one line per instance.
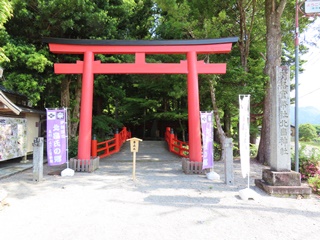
[282, 184]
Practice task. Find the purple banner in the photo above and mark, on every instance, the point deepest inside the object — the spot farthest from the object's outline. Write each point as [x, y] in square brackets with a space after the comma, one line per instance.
[56, 137]
[207, 139]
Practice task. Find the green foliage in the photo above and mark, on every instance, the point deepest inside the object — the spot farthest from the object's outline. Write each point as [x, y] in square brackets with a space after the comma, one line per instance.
[5, 11]
[253, 150]
[314, 183]
[307, 132]
[103, 126]
[317, 127]
[308, 160]
[73, 147]
[5, 14]
[216, 151]
[25, 69]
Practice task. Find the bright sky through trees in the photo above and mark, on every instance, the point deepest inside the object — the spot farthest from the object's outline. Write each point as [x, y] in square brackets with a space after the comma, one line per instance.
[309, 80]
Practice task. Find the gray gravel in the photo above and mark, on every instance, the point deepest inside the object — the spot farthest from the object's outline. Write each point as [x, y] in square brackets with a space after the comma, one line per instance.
[163, 203]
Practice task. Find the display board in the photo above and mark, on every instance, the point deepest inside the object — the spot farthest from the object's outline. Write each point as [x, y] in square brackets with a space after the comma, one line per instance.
[13, 138]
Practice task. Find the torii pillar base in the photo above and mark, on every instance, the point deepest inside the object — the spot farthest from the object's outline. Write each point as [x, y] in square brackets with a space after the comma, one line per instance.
[192, 167]
[80, 165]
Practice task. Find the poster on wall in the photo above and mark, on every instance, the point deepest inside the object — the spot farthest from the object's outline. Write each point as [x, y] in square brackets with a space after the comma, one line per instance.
[56, 137]
[13, 138]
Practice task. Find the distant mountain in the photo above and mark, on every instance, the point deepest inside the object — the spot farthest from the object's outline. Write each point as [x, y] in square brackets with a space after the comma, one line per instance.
[306, 115]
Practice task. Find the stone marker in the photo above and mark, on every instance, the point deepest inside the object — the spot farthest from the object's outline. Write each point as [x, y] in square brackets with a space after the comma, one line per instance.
[38, 159]
[279, 179]
[280, 122]
[228, 163]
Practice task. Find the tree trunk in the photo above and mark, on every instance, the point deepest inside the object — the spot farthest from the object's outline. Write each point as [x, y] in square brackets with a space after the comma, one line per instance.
[221, 133]
[246, 20]
[65, 94]
[227, 122]
[76, 109]
[65, 97]
[273, 12]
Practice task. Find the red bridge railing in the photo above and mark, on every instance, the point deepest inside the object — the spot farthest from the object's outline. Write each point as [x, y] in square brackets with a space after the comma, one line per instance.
[175, 145]
[111, 146]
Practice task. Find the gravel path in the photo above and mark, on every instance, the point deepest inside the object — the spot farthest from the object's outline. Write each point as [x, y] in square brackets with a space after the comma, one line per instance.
[163, 203]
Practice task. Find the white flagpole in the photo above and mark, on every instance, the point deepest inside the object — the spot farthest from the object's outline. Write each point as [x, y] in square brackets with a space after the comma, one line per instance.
[244, 137]
[67, 136]
[68, 171]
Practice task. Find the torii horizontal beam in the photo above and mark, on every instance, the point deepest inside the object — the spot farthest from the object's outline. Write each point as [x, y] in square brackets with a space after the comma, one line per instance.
[200, 46]
[140, 68]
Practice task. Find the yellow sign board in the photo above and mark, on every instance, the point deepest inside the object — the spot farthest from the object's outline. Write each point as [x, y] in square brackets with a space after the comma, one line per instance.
[134, 144]
[134, 147]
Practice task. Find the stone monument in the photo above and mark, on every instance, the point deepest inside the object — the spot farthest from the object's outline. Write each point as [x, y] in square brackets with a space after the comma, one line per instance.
[280, 180]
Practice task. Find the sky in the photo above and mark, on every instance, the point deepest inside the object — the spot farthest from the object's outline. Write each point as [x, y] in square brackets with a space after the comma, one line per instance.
[309, 80]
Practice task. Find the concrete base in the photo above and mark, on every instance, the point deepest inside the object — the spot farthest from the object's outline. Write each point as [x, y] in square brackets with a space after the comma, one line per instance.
[289, 178]
[247, 193]
[282, 184]
[284, 191]
[68, 172]
[213, 176]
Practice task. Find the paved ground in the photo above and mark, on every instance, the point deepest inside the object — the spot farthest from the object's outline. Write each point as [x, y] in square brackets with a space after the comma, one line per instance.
[163, 203]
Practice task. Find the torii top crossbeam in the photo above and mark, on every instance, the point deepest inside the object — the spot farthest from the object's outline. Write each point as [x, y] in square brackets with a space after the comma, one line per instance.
[140, 48]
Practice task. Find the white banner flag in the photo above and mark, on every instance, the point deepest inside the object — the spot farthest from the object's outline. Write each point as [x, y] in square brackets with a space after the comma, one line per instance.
[244, 133]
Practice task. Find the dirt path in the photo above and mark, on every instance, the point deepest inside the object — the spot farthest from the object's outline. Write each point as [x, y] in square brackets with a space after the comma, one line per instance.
[163, 203]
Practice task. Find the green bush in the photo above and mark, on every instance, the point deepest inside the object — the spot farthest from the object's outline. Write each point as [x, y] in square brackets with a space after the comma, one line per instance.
[73, 147]
[308, 159]
[307, 132]
[253, 150]
[217, 151]
[314, 183]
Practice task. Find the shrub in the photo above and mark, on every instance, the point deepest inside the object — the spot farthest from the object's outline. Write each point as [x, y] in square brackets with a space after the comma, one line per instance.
[314, 183]
[253, 150]
[308, 159]
[217, 151]
[73, 147]
[307, 132]
[308, 169]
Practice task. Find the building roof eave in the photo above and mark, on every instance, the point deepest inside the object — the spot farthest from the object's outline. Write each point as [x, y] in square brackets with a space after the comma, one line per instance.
[14, 108]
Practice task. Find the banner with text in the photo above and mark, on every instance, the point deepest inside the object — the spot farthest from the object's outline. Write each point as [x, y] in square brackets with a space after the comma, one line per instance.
[207, 139]
[56, 137]
[244, 134]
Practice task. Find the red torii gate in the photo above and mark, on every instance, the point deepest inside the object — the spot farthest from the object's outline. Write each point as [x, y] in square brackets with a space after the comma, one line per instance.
[88, 67]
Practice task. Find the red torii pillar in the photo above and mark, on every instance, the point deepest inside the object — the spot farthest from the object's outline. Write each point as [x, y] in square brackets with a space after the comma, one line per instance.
[88, 67]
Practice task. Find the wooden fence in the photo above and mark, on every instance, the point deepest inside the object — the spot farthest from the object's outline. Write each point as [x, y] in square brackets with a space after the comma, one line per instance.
[175, 145]
[111, 146]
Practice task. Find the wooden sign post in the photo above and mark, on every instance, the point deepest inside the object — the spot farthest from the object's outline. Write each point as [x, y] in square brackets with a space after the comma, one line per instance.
[134, 147]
